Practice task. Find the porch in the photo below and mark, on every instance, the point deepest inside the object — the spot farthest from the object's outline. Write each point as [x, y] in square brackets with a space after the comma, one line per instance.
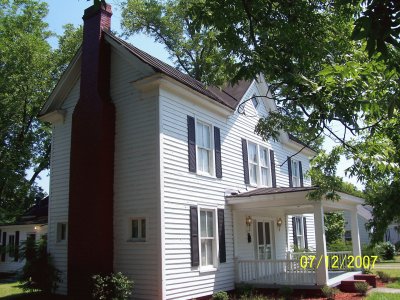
[264, 238]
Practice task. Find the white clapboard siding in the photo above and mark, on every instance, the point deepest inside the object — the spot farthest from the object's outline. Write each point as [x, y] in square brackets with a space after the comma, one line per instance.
[59, 185]
[182, 189]
[136, 184]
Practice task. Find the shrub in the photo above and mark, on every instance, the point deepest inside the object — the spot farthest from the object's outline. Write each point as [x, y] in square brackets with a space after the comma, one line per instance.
[367, 250]
[339, 245]
[221, 295]
[38, 273]
[244, 290]
[329, 292]
[385, 277]
[285, 292]
[112, 287]
[397, 246]
[254, 297]
[361, 287]
[385, 251]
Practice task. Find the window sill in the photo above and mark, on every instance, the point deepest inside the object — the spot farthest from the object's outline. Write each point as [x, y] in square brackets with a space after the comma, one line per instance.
[136, 241]
[208, 269]
[206, 175]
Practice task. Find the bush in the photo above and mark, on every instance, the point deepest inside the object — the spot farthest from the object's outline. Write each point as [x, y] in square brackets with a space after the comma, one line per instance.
[285, 292]
[329, 292]
[367, 250]
[397, 246]
[339, 245]
[38, 273]
[221, 295]
[385, 277]
[254, 297]
[361, 287]
[112, 287]
[385, 251]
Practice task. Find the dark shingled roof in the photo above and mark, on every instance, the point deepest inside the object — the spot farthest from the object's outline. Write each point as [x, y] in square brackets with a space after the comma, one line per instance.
[273, 191]
[228, 96]
[37, 214]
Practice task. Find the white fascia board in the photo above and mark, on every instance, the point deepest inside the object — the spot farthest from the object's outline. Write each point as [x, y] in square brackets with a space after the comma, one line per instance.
[63, 87]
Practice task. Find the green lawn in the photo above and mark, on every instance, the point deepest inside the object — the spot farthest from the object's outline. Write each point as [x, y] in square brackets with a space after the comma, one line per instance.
[11, 291]
[383, 296]
[395, 277]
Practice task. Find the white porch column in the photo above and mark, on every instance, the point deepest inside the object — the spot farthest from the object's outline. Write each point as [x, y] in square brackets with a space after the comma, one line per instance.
[355, 234]
[322, 270]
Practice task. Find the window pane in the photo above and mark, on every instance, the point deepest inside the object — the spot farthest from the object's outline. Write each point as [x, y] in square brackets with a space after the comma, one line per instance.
[253, 174]
[203, 253]
[260, 233]
[252, 153]
[210, 224]
[267, 236]
[209, 252]
[199, 134]
[143, 228]
[263, 157]
[264, 176]
[206, 136]
[295, 168]
[135, 228]
[203, 224]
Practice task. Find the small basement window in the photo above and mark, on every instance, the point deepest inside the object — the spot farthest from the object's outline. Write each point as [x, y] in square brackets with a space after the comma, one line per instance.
[61, 232]
[138, 232]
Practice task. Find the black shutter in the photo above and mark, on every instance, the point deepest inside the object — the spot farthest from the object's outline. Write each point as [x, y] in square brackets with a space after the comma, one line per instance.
[305, 233]
[191, 144]
[245, 162]
[273, 173]
[3, 253]
[301, 174]
[217, 145]
[194, 237]
[289, 166]
[294, 231]
[221, 236]
[16, 249]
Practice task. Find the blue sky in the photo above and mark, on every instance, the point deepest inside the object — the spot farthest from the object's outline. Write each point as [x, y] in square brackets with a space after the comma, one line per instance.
[63, 12]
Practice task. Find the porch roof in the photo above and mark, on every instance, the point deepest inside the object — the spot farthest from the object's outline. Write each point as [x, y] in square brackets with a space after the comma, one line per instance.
[289, 197]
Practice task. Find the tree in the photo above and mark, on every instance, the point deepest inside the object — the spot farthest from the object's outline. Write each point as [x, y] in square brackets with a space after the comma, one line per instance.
[194, 49]
[29, 69]
[334, 227]
[320, 76]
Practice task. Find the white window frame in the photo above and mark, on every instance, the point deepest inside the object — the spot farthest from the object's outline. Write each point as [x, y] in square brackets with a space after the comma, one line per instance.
[211, 157]
[258, 165]
[215, 245]
[300, 232]
[140, 237]
[61, 239]
[295, 173]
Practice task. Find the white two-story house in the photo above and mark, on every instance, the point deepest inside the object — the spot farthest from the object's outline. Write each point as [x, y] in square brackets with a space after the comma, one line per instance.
[155, 175]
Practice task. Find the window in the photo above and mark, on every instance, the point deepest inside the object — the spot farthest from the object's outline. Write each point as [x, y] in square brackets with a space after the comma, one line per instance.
[61, 232]
[11, 245]
[207, 238]
[255, 101]
[138, 232]
[300, 232]
[347, 235]
[204, 148]
[295, 173]
[259, 165]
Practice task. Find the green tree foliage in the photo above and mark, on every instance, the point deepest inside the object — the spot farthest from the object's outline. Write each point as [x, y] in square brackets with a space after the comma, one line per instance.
[194, 49]
[324, 72]
[29, 69]
[334, 227]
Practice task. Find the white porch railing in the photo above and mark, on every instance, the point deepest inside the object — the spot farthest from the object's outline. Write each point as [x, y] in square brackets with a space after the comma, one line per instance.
[337, 261]
[287, 272]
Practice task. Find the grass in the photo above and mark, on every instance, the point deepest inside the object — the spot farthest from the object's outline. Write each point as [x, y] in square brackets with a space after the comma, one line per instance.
[11, 291]
[383, 296]
[395, 278]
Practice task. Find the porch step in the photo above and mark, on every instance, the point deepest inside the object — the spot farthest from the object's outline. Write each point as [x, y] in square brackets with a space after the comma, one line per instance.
[348, 286]
[370, 278]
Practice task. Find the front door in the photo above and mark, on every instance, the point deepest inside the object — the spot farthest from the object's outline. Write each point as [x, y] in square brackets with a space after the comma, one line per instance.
[264, 240]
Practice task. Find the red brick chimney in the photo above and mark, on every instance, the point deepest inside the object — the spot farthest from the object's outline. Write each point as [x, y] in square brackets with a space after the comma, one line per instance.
[90, 219]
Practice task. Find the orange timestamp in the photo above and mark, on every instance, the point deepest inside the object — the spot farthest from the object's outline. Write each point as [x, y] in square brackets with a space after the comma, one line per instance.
[338, 262]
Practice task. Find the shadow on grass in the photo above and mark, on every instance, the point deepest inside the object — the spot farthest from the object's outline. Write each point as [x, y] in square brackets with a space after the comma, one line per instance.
[35, 296]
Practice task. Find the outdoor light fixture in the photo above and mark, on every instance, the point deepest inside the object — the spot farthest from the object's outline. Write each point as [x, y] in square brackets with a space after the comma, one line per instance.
[36, 228]
[248, 223]
[279, 223]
